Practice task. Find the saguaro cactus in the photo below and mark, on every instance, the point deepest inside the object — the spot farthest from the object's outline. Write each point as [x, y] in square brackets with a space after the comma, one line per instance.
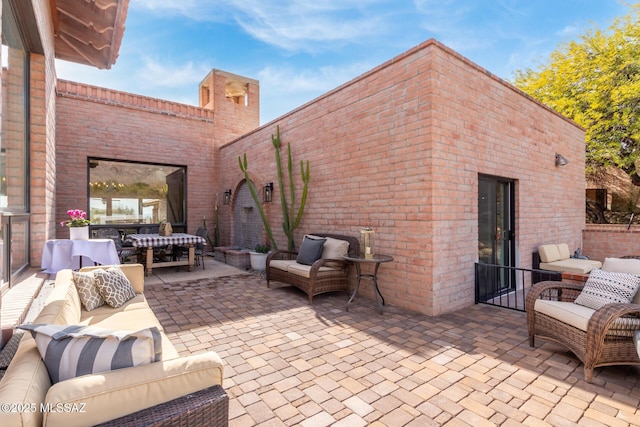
[291, 221]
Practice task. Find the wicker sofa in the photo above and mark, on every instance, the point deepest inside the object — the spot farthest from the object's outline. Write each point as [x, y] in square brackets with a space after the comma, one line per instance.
[600, 337]
[172, 391]
[327, 274]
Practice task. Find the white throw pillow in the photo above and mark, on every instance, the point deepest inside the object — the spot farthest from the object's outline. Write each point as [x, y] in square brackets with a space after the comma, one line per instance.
[333, 248]
[70, 351]
[604, 287]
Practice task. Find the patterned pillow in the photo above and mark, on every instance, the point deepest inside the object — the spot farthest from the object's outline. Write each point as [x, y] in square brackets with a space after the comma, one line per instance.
[88, 290]
[69, 351]
[605, 287]
[114, 286]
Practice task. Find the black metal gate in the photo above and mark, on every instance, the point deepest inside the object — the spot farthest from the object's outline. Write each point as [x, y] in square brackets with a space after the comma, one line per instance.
[490, 288]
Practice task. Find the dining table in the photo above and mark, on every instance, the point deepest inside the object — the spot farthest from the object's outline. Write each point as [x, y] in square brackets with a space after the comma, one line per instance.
[147, 242]
[60, 254]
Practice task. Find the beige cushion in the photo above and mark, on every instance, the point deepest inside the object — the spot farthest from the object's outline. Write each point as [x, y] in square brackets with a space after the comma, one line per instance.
[606, 287]
[578, 316]
[333, 248]
[25, 382]
[139, 302]
[134, 272]
[305, 270]
[624, 265]
[571, 265]
[563, 251]
[129, 320]
[117, 393]
[281, 264]
[549, 253]
[62, 306]
[567, 312]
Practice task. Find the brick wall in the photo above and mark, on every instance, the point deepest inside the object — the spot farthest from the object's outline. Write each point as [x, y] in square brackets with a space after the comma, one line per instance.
[97, 122]
[610, 240]
[400, 149]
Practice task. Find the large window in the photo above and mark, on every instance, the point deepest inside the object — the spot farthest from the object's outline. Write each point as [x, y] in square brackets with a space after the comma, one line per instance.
[136, 193]
[14, 148]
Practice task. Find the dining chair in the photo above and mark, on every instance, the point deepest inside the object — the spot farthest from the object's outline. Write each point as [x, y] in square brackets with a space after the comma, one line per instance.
[124, 252]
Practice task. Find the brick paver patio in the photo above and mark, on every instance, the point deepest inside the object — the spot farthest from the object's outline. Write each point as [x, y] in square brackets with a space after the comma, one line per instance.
[289, 363]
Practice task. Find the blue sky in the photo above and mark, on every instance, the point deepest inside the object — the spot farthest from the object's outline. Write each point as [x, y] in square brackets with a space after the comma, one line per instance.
[300, 49]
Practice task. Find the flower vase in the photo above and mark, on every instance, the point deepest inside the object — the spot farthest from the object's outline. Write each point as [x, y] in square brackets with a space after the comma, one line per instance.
[79, 233]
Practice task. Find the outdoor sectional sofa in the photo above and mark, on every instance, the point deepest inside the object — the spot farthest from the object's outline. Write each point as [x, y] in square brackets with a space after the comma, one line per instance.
[174, 390]
[558, 258]
[606, 335]
[326, 274]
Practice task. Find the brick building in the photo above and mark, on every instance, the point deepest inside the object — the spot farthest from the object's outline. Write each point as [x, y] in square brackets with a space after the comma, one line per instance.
[449, 164]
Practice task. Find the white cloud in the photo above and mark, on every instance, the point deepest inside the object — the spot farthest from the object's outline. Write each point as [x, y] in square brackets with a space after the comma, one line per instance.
[287, 80]
[283, 88]
[154, 73]
[569, 31]
[296, 25]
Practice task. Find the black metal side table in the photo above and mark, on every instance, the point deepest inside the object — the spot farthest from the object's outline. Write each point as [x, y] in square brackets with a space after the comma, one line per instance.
[359, 261]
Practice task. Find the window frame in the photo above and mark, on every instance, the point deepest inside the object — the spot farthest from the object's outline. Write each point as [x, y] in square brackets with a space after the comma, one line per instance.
[177, 226]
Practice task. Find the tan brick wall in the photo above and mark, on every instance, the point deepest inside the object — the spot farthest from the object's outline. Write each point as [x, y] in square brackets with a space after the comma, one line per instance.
[400, 149]
[610, 240]
[97, 122]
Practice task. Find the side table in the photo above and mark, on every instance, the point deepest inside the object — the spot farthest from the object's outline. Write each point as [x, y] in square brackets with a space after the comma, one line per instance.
[376, 260]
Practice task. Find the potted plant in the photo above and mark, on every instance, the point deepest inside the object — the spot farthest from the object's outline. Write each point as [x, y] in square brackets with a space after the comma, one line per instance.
[78, 224]
[258, 257]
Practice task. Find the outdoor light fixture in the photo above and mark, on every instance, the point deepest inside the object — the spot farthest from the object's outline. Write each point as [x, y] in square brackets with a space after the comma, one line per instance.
[367, 241]
[560, 160]
[227, 197]
[268, 192]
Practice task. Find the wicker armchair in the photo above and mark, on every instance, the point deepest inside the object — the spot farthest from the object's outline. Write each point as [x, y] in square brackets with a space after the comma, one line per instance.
[320, 279]
[606, 340]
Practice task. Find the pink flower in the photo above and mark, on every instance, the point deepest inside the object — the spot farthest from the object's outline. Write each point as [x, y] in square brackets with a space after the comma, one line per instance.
[78, 218]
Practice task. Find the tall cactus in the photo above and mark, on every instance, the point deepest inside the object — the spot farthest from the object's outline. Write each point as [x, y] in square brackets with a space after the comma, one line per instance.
[289, 223]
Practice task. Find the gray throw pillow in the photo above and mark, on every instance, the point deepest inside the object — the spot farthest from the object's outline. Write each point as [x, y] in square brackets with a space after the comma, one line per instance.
[88, 290]
[114, 286]
[310, 250]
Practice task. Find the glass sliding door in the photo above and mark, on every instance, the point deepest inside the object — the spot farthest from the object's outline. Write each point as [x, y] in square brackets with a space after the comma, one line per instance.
[496, 232]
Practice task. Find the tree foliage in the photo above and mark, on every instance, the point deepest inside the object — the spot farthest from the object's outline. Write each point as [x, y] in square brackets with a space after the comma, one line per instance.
[595, 81]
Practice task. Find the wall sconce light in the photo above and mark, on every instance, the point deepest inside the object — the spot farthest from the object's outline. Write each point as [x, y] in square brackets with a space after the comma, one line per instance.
[227, 197]
[268, 192]
[560, 160]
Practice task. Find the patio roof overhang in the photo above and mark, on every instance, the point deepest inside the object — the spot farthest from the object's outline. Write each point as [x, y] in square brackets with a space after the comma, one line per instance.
[88, 32]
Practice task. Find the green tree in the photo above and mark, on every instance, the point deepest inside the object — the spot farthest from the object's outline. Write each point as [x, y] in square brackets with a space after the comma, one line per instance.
[595, 81]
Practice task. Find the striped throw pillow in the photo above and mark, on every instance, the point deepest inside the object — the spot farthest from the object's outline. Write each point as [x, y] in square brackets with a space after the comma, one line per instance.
[70, 351]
